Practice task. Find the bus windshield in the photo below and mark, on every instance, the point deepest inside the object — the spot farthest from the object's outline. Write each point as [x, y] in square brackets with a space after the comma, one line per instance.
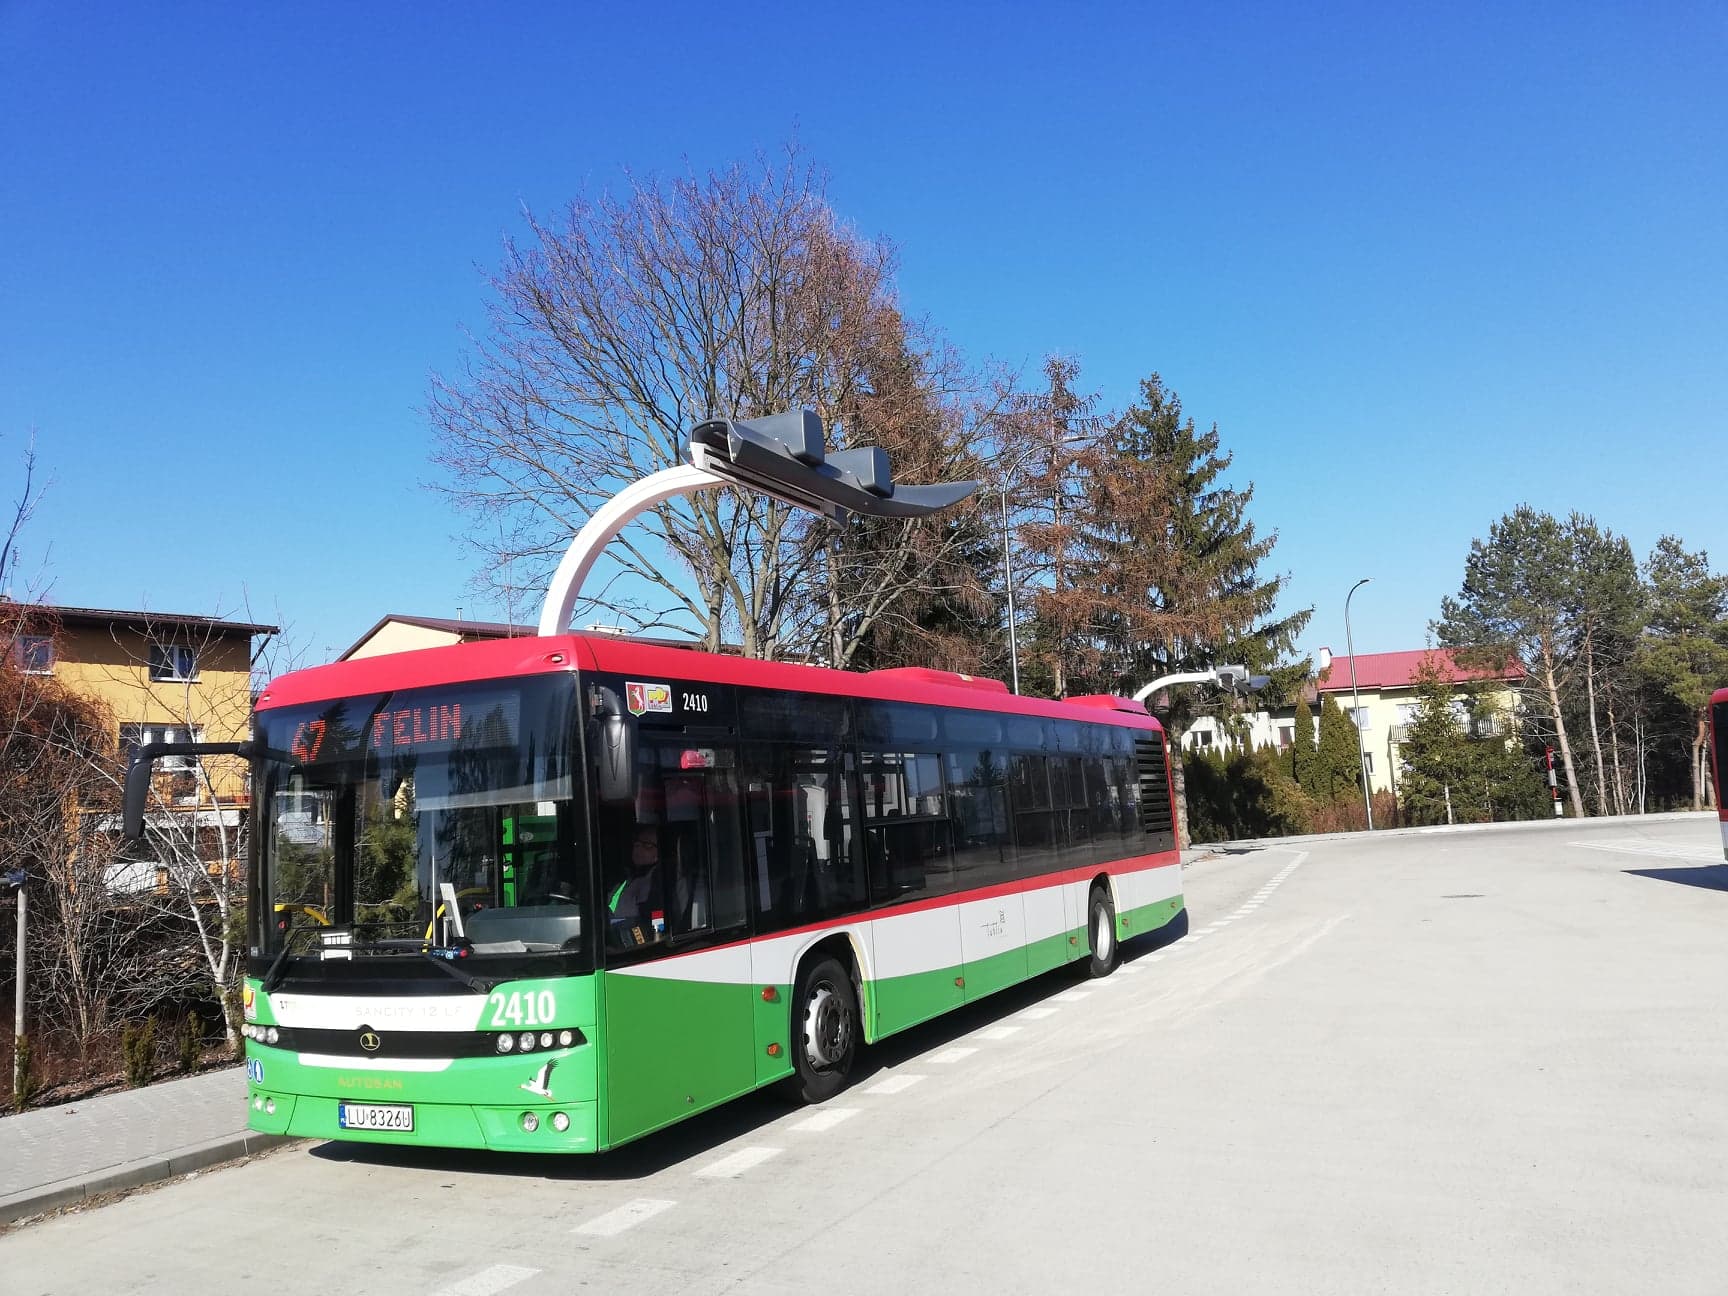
[421, 820]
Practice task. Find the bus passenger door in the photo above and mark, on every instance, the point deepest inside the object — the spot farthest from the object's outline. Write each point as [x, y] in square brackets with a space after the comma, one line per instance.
[677, 985]
[909, 852]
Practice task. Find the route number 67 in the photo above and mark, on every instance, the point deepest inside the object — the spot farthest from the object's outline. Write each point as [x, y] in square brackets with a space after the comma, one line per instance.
[522, 1008]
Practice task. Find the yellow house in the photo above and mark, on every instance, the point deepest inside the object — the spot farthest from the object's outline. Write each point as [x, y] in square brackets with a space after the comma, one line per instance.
[163, 677]
[1383, 701]
[399, 633]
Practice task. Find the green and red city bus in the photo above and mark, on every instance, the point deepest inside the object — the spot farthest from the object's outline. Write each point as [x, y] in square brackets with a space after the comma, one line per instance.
[549, 894]
[1719, 757]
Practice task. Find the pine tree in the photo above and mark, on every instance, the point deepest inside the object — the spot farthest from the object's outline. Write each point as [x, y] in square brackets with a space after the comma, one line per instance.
[1453, 759]
[1685, 654]
[1514, 604]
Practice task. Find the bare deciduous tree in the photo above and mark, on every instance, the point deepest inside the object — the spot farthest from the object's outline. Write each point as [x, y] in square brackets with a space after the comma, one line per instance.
[633, 317]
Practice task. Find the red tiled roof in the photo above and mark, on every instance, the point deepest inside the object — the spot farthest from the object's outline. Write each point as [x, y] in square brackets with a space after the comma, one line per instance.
[1398, 670]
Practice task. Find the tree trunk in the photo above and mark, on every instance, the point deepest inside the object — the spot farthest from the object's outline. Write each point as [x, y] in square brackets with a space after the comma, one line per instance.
[1179, 785]
[1619, 762]
[1698, 780]
[1595, 731]
[1553, 688]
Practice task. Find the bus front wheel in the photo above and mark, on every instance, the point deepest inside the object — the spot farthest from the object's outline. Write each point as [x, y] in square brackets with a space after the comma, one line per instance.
[824, 1031]
[1101, 925]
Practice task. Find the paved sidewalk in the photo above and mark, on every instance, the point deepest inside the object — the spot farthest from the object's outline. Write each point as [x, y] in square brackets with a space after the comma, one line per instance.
[60, 1156]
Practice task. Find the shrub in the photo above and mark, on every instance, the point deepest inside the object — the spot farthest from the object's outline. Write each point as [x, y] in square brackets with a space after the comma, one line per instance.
[189, 1042]
[138, 1051]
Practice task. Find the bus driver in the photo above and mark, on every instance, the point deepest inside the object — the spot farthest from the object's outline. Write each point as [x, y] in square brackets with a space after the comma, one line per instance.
[634, 912]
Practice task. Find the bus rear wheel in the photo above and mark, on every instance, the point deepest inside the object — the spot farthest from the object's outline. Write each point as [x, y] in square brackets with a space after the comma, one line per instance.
[1101, 925]
[824, 1031]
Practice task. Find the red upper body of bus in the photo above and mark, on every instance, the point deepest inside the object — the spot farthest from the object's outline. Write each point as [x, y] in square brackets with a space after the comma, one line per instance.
[526, 656]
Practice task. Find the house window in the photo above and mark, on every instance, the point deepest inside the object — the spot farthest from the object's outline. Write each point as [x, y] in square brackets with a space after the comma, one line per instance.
[1286, 736]
[173, 663]
[1203, 738]
[1407, 713]
[134, 736]
[1359, 715]
[1368, 763]
[34, 654]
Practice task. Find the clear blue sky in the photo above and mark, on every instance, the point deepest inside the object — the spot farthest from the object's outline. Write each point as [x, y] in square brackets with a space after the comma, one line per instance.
[1419, 266]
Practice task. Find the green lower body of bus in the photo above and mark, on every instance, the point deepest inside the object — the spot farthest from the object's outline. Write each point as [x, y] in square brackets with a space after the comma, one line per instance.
[653, 1044]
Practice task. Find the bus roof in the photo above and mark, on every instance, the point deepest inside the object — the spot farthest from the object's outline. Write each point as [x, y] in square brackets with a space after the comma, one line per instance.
[509, 658]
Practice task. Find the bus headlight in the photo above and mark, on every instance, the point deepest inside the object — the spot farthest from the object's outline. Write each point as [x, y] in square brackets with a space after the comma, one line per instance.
[530, 1122]
[272, 1035]
[527, 1040]
[506, 1043]
[560, 1122]
[566, 1038]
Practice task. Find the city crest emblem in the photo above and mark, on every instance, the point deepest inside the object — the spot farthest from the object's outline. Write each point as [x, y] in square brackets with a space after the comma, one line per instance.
[642, 698]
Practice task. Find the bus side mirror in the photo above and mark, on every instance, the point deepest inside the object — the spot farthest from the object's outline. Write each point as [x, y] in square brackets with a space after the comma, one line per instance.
[144, 767]
[614, 760]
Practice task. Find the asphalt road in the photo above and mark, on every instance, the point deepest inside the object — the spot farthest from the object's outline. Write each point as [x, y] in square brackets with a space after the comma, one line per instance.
[1486, 1062]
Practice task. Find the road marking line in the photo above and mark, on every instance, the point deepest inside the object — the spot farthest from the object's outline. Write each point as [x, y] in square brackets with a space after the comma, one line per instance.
[740, 1161]
[629, 1215]
[489, 1281]
[1034, 1014]
[957, 1054]
[893, 1084]
[1153, 958]
[1132, 967]
[1073, 996]
[998, 1032]
[824, 1120]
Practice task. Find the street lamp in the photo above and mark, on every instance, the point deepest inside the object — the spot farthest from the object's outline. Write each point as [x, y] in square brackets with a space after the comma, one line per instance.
[1008, 583]
[1356, 703]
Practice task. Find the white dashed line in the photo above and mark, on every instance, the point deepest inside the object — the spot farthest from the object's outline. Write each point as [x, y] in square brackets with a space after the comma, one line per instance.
[952, 1055]
[1153, 958]
[629, 1215]
[824, 1120]
[1034, 1014]
[998, 1032]
[489, 1281]
[1073, 996]
[893, 1084]
[745, 1159]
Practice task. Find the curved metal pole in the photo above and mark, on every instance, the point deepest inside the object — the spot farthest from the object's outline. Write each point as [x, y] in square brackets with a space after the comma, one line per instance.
[608, 520]
[1165, 681]
[1356, 703]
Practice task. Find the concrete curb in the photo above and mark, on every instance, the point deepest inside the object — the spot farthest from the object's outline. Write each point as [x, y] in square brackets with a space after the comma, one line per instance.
[135, 1174]
[1205, 849]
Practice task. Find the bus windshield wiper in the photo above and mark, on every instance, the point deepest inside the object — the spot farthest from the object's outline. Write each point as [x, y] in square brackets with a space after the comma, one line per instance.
[273, 977]
[479, 985]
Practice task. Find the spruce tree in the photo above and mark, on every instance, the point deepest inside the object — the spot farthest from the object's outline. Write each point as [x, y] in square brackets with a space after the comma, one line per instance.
[1302, 746]
[1339, 773]
[1162, 564]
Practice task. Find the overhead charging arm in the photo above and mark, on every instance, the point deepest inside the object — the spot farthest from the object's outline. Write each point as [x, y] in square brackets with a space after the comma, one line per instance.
[784, 456]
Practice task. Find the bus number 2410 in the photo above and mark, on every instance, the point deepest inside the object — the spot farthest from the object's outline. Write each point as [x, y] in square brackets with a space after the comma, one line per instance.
[522, 1008]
